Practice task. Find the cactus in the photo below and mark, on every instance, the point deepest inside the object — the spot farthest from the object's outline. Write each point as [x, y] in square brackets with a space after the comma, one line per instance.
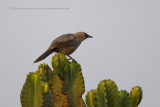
[124, 98]
[31, 93]
[136, 96]
[61, 87]
[107, 95]
[64, 86]
[91, 98]
[73, 85]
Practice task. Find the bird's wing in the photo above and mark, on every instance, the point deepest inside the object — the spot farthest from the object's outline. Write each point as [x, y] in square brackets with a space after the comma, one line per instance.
[64, 41]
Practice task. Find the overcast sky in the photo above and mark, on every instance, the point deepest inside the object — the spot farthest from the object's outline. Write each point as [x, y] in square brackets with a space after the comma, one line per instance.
[125, 47]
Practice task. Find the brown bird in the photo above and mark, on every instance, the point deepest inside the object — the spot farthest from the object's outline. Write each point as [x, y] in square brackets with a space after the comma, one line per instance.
[65, 44]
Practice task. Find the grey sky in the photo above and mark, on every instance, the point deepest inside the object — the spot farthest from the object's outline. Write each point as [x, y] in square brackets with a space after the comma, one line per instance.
[125, 47]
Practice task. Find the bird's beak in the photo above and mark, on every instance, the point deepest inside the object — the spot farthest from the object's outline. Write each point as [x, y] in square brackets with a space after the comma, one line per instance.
[90, 36]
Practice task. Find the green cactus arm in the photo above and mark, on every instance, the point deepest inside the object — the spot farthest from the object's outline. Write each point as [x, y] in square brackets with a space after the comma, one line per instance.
[81, 103]
[47, 96]
[59, 64]
[101, 96]
[107, 94]
[124, 98]
[47, 99]
[136, 96]
[46, 75]
[73, 85]
[31, 94]
[57, 85]
[59, 99]
[45, 72]
[112, 94]
[91, 98]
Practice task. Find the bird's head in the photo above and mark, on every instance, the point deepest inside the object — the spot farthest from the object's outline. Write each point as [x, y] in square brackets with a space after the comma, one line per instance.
[82, 36]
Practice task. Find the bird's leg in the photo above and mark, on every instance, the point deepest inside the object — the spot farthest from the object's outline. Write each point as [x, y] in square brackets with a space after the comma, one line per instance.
[71, 58]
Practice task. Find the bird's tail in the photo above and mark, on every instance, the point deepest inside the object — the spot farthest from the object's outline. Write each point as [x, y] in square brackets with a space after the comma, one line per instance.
[44, 55]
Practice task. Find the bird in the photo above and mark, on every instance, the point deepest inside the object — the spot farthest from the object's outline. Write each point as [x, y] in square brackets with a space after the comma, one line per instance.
[65, 44]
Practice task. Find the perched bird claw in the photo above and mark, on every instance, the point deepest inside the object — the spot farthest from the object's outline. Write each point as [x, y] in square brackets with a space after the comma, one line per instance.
[70, 58]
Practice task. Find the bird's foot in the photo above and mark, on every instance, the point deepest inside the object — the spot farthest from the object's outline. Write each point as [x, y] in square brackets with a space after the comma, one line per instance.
[70, 58]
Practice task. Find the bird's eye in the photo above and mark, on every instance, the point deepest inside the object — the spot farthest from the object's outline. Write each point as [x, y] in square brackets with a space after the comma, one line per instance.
[86, 35]
[82, 36]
